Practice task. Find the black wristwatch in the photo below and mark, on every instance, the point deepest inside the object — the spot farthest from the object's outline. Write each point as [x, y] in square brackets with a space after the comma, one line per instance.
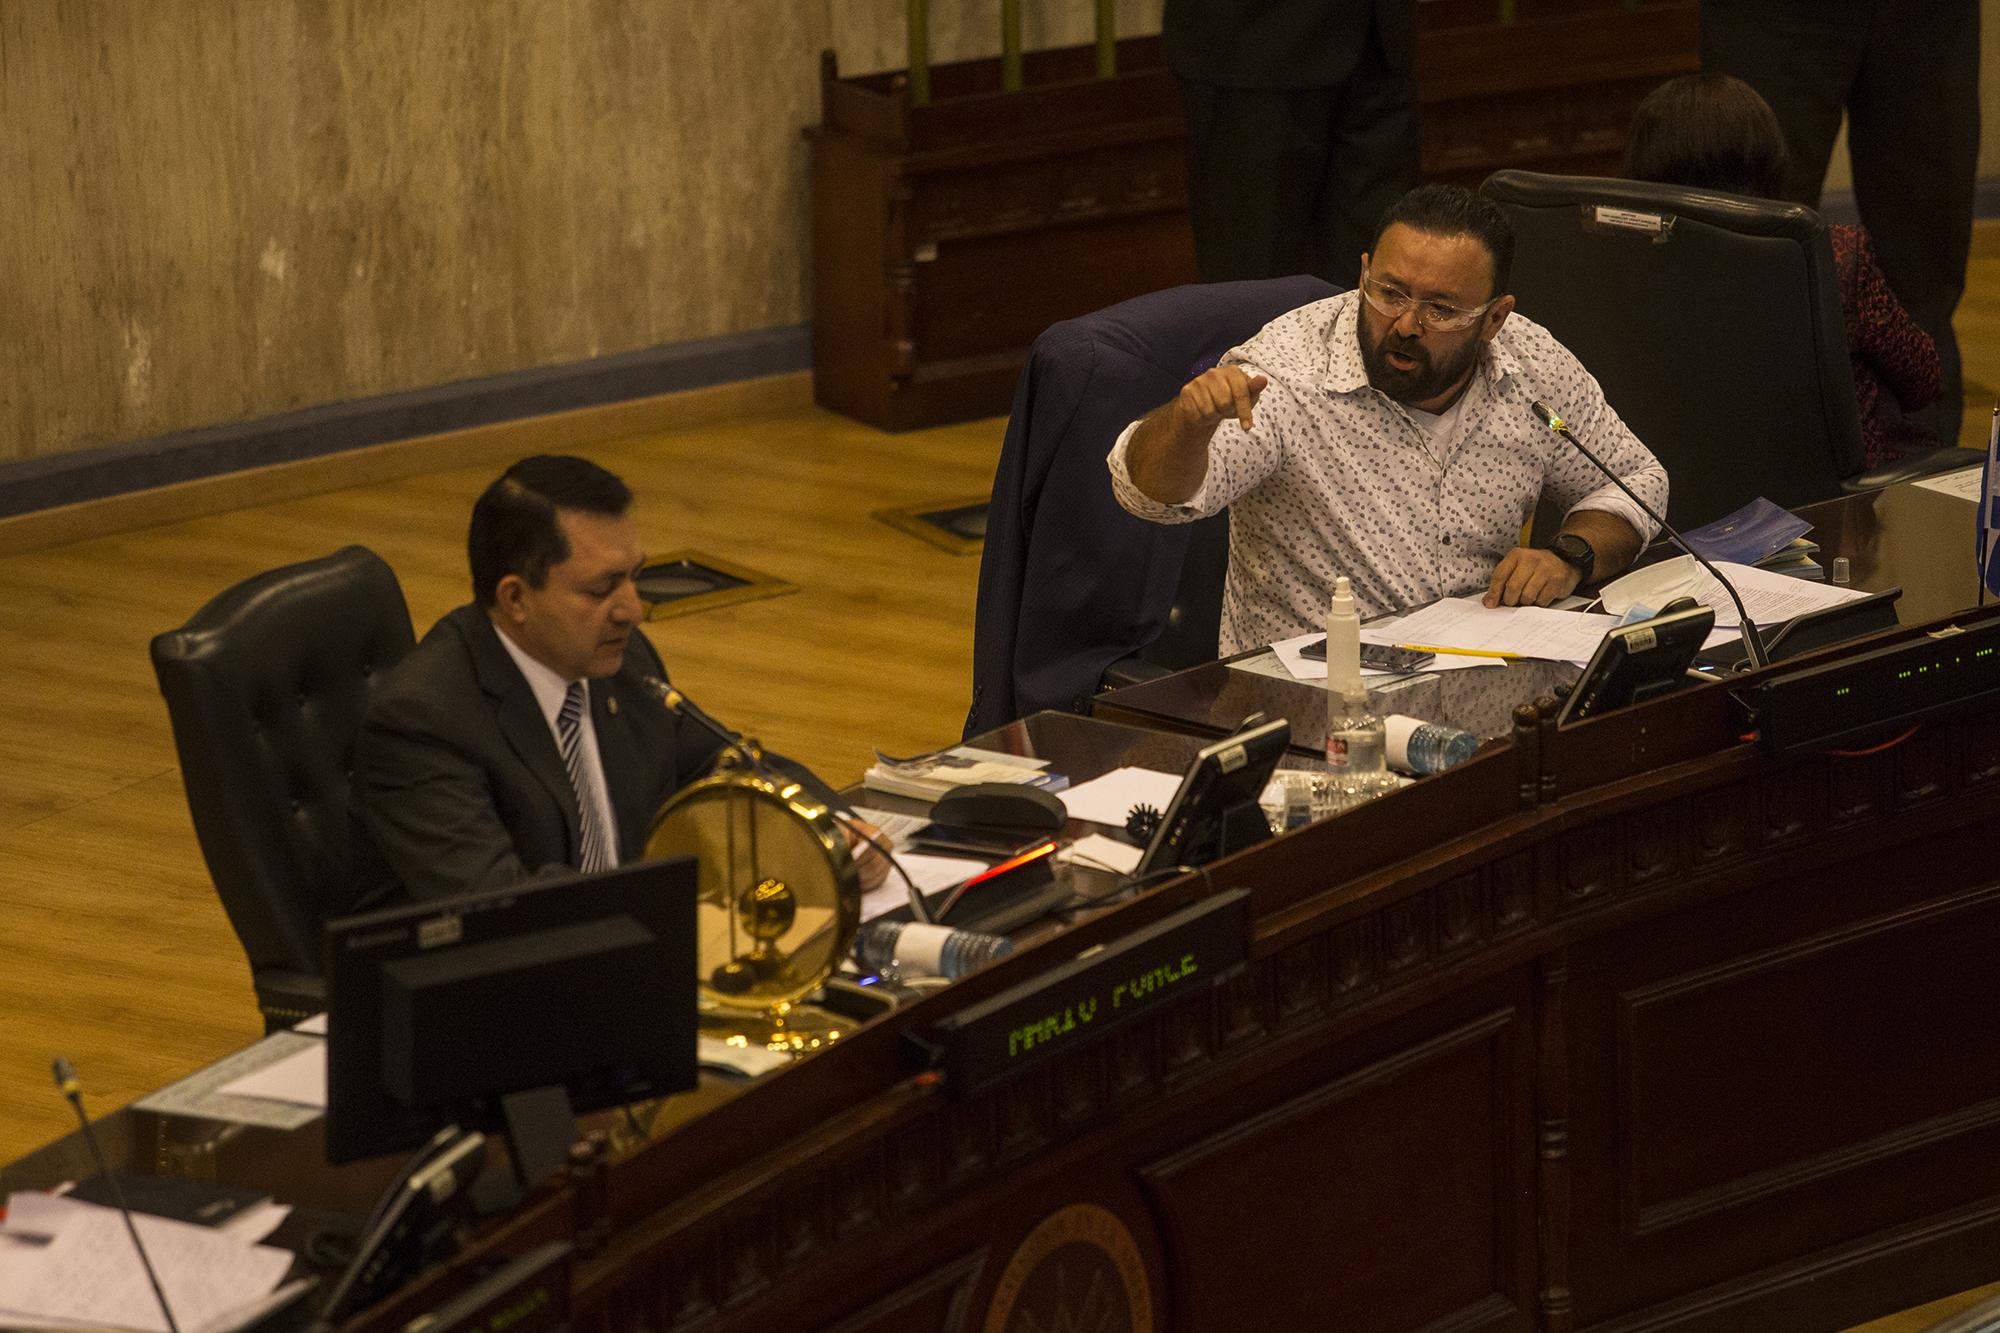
[1574, 551]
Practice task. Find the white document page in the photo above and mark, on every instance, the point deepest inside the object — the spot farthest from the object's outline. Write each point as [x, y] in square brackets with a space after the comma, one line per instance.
[928, 873]
[89, 1271]
[896, 828]
[1964, 482]
[299, 1078]
[1772, 598]
[1097, 852]
[1109, 799]
[1524, 631]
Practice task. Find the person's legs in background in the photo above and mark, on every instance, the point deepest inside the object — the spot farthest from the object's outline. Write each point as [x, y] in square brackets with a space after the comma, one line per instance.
[1256, 157]
[1801, 56]
[1373, 160]
[1913, 135]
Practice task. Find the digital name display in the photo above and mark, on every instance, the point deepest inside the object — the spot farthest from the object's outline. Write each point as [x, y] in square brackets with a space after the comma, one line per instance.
[1093, 995]
[1876, 690]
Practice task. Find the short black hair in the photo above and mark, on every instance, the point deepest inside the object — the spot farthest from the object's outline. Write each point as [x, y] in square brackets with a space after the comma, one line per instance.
[514, 528]
[1453, 210]
[1708, 132]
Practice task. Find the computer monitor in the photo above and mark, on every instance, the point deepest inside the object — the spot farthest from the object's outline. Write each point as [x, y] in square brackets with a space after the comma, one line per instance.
[1635, 662]
[1215, 811]
[510, 1010]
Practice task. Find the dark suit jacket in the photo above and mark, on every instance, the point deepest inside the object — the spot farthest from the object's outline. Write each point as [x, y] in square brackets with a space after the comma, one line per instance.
[1283, 43]
[458, 783]
[1068, 581]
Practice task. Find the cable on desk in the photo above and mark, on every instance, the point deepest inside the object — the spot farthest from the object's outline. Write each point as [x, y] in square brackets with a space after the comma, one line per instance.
[1876, 749]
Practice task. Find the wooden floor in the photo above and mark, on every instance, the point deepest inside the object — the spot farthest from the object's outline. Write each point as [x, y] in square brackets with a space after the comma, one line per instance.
[116, 953]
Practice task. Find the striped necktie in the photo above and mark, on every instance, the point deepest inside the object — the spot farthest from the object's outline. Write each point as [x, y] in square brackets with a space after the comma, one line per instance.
[591, 853]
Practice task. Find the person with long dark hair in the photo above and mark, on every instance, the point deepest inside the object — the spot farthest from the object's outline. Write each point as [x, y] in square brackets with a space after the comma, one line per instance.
[1714, 132]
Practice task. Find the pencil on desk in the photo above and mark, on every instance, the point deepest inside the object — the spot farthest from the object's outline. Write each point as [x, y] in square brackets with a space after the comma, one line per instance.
[1457, 652]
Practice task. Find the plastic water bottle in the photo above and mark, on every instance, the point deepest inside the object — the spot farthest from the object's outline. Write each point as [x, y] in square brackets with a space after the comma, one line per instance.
[896, 949]
[1415, 746]
[1358, 749]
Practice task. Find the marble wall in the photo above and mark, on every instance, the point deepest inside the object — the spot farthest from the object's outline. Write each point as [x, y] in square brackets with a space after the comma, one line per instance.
[219, 210]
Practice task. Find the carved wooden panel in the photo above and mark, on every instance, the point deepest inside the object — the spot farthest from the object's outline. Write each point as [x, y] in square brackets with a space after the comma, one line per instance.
[934, 1302]
[1301, 972]
[1412, 1236]
[1043, 192]
[1793, 804]
[1779, 1073]
[1924, 765]
[1591, 859]
[1982, 749]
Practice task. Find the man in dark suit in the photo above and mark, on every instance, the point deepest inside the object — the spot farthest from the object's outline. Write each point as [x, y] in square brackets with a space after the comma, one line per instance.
[1906, 75]
[522, 735]
[1302, 129]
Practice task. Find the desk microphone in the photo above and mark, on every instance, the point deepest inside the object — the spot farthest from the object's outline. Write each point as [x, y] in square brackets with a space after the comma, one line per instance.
[1753, 642]
[681, 706]
[66, 1080]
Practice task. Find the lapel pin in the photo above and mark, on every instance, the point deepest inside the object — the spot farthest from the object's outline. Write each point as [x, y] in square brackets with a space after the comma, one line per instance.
[611, 703]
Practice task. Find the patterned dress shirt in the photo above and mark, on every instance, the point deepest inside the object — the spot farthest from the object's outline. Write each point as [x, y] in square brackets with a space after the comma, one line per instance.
[1335, 477]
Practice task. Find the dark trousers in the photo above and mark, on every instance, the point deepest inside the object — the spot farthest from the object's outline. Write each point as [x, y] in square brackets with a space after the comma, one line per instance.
[1907, 74]
[1293, 180]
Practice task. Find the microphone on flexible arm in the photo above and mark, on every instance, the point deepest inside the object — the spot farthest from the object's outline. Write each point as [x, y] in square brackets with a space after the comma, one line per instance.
[66, 1081]
[1753, 642]
[681, 706]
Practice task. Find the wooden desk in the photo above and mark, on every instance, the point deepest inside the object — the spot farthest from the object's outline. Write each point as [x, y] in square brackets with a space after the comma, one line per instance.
[1672, 1036]
[1712, 1044]
[1906, 536]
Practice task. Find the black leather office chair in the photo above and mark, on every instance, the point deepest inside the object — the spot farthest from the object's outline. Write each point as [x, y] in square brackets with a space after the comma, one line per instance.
[1075, 593]
[266, 686]
[1713, 323]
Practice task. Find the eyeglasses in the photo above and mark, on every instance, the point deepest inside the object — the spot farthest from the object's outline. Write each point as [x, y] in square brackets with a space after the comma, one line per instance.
[1392, 303]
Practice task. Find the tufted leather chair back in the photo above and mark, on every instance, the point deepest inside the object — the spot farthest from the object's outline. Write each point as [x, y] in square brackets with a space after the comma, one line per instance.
[1712, 321]
[266, 686]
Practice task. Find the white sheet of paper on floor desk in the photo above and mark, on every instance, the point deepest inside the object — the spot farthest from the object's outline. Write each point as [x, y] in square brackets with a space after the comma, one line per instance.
[89, 1272]
[928, 873]
[1109, 799]
[1772, 598]
[299, 1078]
[1965, 482]
[1098, 852]
[1525, 631]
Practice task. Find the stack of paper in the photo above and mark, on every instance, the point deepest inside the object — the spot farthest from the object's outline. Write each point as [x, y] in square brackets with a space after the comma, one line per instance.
[1466, 625]
[65, 1263]
[932, 776]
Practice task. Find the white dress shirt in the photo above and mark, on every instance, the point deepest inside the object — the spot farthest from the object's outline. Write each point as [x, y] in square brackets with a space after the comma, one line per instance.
[1335, 477]
[550, 690]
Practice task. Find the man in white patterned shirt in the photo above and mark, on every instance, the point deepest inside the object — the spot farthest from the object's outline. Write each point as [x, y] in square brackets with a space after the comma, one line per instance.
[1387, 434]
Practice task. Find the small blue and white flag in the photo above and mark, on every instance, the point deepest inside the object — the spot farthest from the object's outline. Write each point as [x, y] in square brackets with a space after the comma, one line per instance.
[1989, 511]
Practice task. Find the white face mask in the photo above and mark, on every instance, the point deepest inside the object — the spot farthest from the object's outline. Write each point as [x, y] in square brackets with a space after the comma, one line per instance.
[1640, 594]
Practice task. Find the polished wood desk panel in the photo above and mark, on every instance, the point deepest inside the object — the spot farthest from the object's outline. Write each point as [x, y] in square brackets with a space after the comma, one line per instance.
[1906, 536]
[1710, 1045]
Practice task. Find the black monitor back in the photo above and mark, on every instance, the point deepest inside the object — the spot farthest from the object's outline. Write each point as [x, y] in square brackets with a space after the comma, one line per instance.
[436, 1011]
